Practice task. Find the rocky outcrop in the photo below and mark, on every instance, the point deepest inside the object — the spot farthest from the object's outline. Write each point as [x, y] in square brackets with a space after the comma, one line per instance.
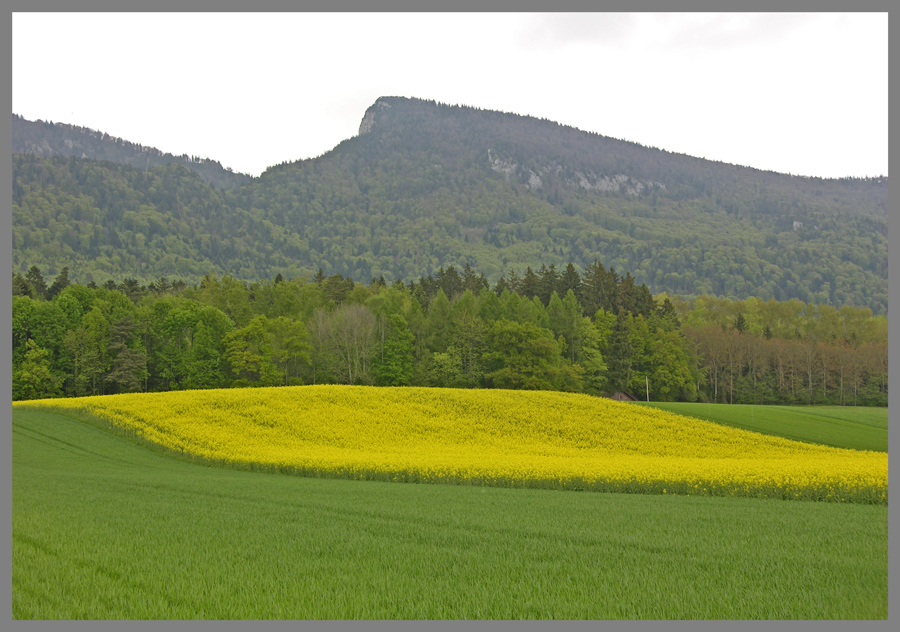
[368, 120]
[589, 181]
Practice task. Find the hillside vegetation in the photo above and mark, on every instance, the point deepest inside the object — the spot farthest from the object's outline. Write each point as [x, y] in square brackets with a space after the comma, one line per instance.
[496, 438]
[427, 186]
[49, 139]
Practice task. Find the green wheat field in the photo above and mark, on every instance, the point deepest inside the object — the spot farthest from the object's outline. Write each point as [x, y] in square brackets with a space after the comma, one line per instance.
[855, 427]
[107, 529]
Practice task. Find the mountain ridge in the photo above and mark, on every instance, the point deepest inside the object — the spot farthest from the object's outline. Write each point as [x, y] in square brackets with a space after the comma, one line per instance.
[427, 185]
[46, 138]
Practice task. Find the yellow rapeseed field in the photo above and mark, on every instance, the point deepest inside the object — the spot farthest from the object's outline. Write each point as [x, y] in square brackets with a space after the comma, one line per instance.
[484, 437]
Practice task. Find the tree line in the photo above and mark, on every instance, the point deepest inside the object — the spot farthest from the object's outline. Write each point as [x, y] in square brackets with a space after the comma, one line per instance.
[596, 332]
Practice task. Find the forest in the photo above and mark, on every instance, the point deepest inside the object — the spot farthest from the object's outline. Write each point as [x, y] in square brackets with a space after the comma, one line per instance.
[546, 329]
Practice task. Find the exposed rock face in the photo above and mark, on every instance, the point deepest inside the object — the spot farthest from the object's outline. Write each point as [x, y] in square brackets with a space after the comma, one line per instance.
[369, 118]
[589, 181]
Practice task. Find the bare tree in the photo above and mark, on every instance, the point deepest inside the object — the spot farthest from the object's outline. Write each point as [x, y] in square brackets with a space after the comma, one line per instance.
[877, 354]
[757, 355]
[826, 362]
[843, 360]
[352, 338]
[711, 343]
[807, 354]
[319, 328]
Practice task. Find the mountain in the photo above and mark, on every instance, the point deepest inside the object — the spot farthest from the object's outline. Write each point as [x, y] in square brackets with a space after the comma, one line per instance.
[59, 139]
[427, 185]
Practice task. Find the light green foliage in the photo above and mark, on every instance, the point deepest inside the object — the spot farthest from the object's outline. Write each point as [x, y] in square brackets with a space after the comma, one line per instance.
[32, 378]
[467, 340]
[294, 299]
[603, 323]
[589, 357]
[289, 347]
[226, 294]
[438, 317]
[394, 366]
[249, 352]
[521, 356]
[670, 373]
[446, 370]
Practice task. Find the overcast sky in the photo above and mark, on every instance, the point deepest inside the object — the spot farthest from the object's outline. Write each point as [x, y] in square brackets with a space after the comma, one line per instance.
[796, 93]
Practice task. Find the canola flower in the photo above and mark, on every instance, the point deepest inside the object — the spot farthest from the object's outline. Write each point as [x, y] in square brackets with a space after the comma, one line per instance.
[484, 437]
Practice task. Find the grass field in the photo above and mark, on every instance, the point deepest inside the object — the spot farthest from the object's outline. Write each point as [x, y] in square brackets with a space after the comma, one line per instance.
[854, 427]
[105, 529]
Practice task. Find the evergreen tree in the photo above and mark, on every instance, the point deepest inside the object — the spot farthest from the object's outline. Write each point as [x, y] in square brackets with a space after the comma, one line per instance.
[489, 306]
[36, 280]
[620, 353]
[472, 282]
[530, 286]
[548, 283]
[570, 280]
[450, 282]
[21, 287]
[128, 364]
[628, 296]
[59, 284]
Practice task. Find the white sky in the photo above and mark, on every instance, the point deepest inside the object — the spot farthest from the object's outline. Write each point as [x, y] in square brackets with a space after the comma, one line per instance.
[796, 93]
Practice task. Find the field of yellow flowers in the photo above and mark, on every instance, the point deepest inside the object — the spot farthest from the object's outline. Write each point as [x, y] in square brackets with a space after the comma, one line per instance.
[483, 437]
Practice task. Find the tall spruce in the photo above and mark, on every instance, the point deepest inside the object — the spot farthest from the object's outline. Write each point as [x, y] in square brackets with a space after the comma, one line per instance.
[620, 353]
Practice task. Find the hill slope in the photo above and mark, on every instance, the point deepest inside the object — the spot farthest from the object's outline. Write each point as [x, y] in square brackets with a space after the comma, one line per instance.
[45, 138]
[426, 185]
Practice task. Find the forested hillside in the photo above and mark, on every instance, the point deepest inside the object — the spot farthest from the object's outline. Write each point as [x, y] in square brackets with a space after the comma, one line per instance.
[427, 185]
[46, 138]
